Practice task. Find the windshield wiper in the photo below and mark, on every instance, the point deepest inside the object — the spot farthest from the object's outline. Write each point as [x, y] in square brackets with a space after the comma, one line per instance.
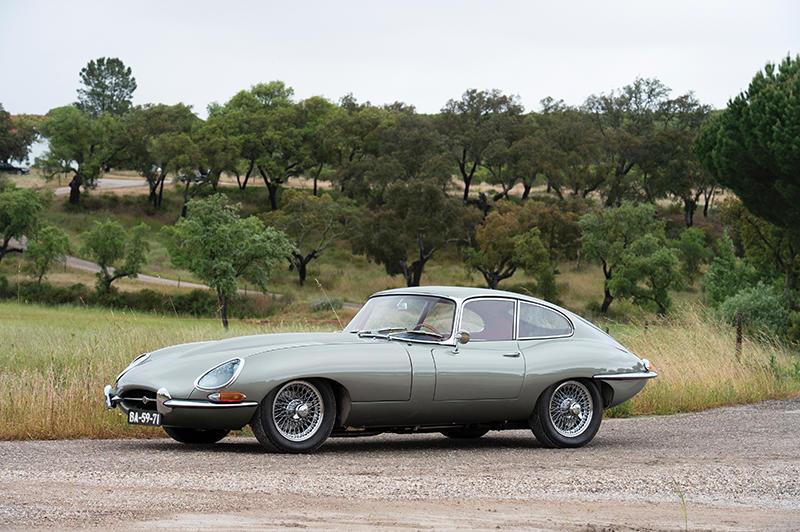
[424, 333]
[380, 333]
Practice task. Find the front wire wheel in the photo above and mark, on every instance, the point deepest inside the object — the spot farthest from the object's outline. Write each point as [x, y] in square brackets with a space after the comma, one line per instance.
[296, 417]
[568, 414]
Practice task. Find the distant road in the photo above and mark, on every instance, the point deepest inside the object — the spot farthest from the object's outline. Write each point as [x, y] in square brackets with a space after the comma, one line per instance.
[106, 183]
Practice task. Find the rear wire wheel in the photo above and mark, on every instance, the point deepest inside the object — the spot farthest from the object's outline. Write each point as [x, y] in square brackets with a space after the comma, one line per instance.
[295, 417]
[567, 414]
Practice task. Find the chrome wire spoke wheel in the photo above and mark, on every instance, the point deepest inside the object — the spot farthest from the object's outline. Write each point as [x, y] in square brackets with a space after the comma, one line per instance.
[571, 409]
[298, 410]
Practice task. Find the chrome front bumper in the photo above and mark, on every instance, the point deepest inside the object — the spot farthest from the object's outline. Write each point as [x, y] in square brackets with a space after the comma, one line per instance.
[165, 403]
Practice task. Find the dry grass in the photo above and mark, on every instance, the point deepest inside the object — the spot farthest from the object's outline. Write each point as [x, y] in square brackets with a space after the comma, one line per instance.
[54, 362]
[698, 366]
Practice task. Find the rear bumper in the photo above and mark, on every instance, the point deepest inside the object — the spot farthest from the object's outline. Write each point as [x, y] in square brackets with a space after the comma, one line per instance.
[625, 385]
[191, 413]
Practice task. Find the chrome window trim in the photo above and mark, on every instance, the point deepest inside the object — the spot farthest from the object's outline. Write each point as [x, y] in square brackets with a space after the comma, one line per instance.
[456, 308]
[212, 368]
[512, 300]
[569, 321]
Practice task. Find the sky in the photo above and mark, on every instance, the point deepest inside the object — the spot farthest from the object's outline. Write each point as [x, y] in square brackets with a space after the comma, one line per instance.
[419, 52]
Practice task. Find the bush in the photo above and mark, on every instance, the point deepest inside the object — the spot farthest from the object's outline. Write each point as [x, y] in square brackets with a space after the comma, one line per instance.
[322, 304]
[727, 275]
[198, 303]
[763, 309]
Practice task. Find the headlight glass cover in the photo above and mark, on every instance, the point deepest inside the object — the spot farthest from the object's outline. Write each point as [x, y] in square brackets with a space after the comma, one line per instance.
[220, 376]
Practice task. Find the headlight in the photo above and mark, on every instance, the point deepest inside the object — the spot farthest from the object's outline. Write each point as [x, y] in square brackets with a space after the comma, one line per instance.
[136, 361]
[220, 376]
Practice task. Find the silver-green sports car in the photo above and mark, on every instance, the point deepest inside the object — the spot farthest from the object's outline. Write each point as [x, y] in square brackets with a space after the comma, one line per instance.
[460, 361]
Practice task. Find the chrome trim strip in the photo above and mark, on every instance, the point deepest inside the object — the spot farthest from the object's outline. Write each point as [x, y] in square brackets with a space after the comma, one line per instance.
[162, 396]
[186, 403]
[551, 309]
[472, 299]
[623, 376]
[111, 398]
[230, 381]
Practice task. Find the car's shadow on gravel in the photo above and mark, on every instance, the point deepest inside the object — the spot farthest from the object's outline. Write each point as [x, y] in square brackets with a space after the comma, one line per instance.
[334, 446]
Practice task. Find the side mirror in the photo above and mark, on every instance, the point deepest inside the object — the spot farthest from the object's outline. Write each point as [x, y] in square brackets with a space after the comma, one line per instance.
[461, 338]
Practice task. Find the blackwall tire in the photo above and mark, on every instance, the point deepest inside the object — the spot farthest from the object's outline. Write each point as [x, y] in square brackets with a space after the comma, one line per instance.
[295, 417]
[568, 414]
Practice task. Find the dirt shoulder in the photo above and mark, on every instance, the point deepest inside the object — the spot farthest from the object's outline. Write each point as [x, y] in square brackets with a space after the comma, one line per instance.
[737, 468]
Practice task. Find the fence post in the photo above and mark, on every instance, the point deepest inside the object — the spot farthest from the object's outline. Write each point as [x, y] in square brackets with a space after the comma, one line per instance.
[738, 335]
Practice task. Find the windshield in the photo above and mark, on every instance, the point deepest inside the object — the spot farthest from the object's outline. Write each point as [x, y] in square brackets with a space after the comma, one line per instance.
[406, 313]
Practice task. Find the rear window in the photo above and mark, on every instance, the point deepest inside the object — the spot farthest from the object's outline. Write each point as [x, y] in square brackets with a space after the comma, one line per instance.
[537, 322]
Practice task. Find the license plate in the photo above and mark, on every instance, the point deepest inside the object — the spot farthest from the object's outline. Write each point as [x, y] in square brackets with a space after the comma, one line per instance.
[141, 417]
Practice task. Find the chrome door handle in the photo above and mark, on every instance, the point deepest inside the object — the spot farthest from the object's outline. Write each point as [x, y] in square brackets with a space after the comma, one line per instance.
[511, 355]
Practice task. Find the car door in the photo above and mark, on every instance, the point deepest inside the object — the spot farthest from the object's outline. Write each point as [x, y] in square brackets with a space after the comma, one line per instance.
[489, 366]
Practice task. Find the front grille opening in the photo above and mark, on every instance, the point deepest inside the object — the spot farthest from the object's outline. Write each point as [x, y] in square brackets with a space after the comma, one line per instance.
[139, 400]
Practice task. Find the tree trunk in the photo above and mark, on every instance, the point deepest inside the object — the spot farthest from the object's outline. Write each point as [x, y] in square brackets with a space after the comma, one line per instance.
[243, 184]
[607, 299]
[416, 272]
[161, 189]
[689, 207]
[185, 199]
[708, 197]
[316, 177]
[273, 192]
[223, 308]
[153, 198]
[467, 181]
[75, 189]
[526, 189]
[491, 279]
[788, 282]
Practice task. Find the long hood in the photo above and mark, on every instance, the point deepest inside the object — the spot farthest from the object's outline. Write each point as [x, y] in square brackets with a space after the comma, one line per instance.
[245, 346]
[177, 366]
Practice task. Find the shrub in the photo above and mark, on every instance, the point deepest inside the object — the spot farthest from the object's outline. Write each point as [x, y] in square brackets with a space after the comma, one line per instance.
[727, 275]
[322, 304]
[763, 309]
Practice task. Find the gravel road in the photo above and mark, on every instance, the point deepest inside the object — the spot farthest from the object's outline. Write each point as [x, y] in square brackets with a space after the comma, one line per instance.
[737, 468]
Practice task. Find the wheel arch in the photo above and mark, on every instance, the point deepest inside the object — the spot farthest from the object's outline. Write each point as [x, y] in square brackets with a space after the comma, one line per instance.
[606, 390]
[343, 401]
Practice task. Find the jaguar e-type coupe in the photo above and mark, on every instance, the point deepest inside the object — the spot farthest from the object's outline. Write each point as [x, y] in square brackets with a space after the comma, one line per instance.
[459, 361]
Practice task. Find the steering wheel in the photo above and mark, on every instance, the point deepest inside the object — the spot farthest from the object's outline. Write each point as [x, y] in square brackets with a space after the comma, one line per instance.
[431, 327]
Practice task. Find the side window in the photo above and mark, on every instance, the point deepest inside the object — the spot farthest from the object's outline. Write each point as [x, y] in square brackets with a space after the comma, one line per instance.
[536, 322]
[489, 319]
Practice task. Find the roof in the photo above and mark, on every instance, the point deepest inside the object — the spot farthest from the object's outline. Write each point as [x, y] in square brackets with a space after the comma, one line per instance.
[459, 292]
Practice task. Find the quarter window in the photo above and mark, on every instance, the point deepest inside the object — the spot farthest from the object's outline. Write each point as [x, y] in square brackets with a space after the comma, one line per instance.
[489, 319]
[536, 321]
